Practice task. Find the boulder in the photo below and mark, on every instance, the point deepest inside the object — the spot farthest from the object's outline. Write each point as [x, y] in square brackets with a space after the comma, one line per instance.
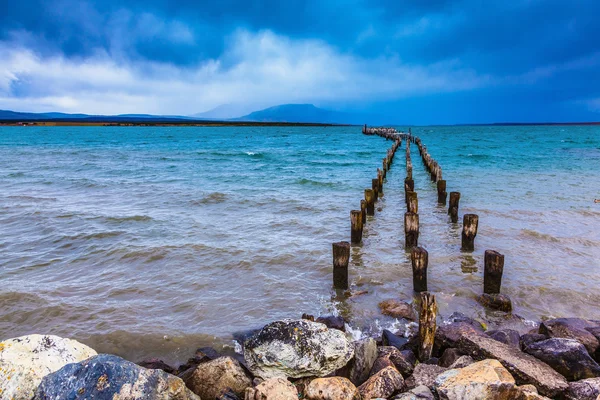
[462, 362]
[25, 360]
[208, 379]
[526, 369]
[449, 356]
[389, 339]
[382, 362]
[297, 348]
[110, 377]
[404, 360]
[498, 301]
[383, 384]
[585, 389]
[418, 393]
[333, 322]
[567, 356]
[506, 336]
[365, 354]
[483, 380]
[448, 334]
[272, 389]
[155, 363]
[335, 388]
[398, 309]
[227, 394]
[571, 328]
[530, 338]
[424, 374]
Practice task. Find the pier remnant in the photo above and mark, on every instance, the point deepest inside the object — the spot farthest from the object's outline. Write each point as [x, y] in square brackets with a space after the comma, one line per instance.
[492, 273]
[370, 199]
[453, 206]
[363, 210]
[412, 202]
[356, 226]
[375, 188]
[341, 257]
[427, 325]
[411, 230]
[470, 225]
[441, 190]
[419, 259]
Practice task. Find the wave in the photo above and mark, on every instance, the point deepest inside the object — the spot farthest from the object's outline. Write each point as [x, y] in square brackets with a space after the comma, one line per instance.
[132, 218]
[32, 198]
[311, 182]
[211, 198]
[539, 235]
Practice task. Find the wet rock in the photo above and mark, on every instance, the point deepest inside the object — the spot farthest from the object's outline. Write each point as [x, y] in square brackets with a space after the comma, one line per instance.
[297, 348]
[110, 377]
[272, 389]
[155, 363]
[333, 322]
[308, 317]
[241, 337]
[483, 380]
[365, 354]
[227, 394]
[457, 317]
[381, 362]
[506, 336]
[398, 309]
[210, 378]
[433, 361]
[585, 389]
[525, 369]
[596, 332]
[499, 301]
[571, 328]
[462, 362]
[404, 360]
[198, 358]
[424, 374]
[419, 393]
[389, 339]
[25, 360]
[383, 384]
[335, 388]
[449, 356]
[567, 356]
[530, 338]
[448, 335]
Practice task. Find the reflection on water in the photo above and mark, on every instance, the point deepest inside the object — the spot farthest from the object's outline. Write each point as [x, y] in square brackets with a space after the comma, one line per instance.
[155, 241]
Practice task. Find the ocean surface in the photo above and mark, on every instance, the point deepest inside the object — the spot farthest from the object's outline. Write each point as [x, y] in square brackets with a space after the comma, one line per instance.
[153, 241]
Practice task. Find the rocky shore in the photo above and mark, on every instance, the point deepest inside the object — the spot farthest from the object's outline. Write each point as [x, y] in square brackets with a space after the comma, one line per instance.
[315, 359]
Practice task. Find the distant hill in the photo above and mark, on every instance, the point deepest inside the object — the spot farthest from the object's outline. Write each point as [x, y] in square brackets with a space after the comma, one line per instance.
[22, 116]
[224, 112]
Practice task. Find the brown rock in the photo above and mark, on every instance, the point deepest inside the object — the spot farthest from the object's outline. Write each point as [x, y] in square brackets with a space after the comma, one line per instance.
[383, 384]
[449, 356]
[335, 388]
[462, 362]
[398, 309]
[403, 360]
[500, 302]
[155, 363]
[210, 378]
[424, 374]
[272, 389]
[381, 362]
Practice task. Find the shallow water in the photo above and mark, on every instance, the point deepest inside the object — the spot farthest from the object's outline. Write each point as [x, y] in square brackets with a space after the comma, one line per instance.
[146, 241]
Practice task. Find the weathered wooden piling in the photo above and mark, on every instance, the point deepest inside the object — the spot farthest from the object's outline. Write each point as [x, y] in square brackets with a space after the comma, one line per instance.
[375, 188]
[470, 225]
[411, 230]
[341, 257]
[419, 259]
[363, 210]
[412, 202]
[441, 190]
[453, 206]
[356, 226]
[370, 199]
[427, 325]
[380, 182]
[492, 272]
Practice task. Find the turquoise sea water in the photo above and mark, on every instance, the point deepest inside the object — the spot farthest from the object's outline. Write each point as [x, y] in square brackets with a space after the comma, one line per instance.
[146, 241]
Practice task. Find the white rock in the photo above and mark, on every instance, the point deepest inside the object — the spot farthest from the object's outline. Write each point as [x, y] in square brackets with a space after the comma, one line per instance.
[25, 360]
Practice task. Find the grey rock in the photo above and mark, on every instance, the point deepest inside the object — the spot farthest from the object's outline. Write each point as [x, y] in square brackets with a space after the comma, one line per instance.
[449, 356]
[506, 336]
[398, 309]
[419, 393]
[110, 377]
[463, 361]
[404, 360]
[567, 356]
[530, 338]
[333, 322]
[448, 334]
[571, 328]
[365, 354]
[525, 368]
[389, 339]
[424, 374]
[585, 389]
[296, 349]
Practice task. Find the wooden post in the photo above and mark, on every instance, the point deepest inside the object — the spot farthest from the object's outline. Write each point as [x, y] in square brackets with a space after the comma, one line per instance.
[412, 202]
[356, 226]
[341, 257]
[370, 199]
[453, 206]
[419, 259]
[492, 273]
[411, 230]
[441, 189]
[409, 185]
[363, 210]
[380, 182]
[427, 325]
[470, 225]
[375, 188]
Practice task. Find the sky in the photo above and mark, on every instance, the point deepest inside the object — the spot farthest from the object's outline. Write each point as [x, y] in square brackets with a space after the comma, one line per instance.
[418, 62]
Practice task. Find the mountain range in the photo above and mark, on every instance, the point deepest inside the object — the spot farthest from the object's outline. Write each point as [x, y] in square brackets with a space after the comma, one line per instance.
[302, 113]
